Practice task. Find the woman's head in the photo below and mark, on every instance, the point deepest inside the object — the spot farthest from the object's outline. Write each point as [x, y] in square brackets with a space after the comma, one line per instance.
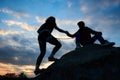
[50, 19]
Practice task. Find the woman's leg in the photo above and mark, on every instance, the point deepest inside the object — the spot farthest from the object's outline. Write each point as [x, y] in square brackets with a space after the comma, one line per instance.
[42, 39]
[42, 47]
[57, 44]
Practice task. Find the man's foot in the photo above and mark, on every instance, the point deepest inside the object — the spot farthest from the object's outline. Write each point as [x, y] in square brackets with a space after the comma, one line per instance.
[107, 43]
[38, 71]
[52, 59]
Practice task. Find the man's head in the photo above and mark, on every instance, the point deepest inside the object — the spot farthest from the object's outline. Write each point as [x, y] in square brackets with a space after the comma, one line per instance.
[81, 24]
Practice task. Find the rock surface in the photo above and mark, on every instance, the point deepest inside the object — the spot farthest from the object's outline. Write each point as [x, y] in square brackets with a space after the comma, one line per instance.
[92, 62]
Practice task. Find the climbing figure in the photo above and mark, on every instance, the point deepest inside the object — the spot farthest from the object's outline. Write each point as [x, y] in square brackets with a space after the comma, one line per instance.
[45, 36]
[83, 36]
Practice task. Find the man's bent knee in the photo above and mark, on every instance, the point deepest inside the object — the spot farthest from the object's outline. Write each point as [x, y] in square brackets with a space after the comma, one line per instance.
[98, 34]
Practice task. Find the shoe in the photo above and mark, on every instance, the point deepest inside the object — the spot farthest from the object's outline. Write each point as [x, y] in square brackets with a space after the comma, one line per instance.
[52, 59]
[107, 43]
[38, 71]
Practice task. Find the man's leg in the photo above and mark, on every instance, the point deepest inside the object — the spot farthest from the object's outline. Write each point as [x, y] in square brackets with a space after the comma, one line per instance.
[98, 37]
[42, 47]
[57, 44]
[101, 40]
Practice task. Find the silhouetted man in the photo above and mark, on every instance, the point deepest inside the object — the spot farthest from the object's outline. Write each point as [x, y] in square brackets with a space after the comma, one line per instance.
[45, 36]
[83, 36]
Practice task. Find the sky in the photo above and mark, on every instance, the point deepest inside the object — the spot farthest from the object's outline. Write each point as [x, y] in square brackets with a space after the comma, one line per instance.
[20, 19]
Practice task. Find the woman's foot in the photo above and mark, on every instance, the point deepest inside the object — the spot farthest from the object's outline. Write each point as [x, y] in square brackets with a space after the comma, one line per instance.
[38, 71]
[52, 59]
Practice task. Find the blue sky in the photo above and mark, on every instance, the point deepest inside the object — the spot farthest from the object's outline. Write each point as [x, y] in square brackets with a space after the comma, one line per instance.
[20, 19]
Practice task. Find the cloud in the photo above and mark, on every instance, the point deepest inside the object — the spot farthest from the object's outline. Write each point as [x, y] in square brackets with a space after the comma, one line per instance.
[84, 8]
[40, 19]
[59, 21]
[69, 4]
[17, 55]
[23, 25]
[14, 13]
[16, 45]
[46, 64]
[66, 22]
[15, 48]
[10, 68]
[108, 3]
[9, 32]
[94, 6]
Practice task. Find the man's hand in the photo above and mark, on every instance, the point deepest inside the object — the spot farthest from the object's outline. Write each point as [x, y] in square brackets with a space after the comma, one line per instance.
[68, 34]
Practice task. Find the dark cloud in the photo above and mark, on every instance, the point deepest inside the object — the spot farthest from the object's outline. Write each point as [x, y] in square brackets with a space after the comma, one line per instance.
[9, 54]
[25, 54]
[22, 40]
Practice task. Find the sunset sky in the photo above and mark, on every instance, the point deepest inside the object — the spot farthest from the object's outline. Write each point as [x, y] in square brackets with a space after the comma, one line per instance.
[20, 19]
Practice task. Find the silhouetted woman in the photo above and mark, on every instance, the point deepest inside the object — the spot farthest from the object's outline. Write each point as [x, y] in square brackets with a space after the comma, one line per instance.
[45, 36]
